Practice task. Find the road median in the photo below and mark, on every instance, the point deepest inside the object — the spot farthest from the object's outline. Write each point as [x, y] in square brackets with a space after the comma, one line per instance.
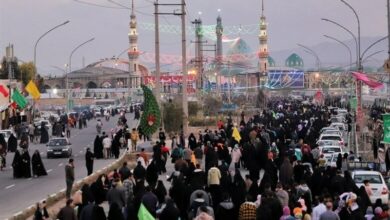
[57, 200]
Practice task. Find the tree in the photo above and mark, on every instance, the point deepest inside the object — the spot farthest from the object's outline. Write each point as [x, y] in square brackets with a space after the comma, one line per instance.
[151, 116]
[27, 72]
[211, 105]
[172, 116]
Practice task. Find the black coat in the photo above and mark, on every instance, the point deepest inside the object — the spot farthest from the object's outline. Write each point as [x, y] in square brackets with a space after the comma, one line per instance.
[17, 165]
[37, 165]
[26, 165]
[12, 143]
[98, 147]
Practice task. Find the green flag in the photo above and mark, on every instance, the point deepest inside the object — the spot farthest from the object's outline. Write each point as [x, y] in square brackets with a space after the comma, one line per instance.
[19, 99]
[144, 214]
[353, 103]
[386, 128]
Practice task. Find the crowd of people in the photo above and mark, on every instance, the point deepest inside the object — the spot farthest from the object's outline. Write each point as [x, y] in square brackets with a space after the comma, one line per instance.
[260, 173]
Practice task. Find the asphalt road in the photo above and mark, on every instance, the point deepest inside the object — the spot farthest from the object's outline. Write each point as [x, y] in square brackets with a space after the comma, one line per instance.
[18, 194]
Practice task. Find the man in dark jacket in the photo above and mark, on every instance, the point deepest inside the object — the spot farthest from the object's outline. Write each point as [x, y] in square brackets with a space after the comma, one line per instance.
[124, 171]
[67, 212]
[69, 177]
[116, 194]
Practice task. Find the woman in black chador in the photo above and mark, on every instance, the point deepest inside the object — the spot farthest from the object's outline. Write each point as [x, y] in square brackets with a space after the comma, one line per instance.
[44, 134]
[12, 143]
[26, 164]
[98, 147]
[37, 166]
[17, 165]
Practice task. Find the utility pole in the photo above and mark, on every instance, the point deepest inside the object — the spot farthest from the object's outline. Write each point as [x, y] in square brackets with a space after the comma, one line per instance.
[184, 57]
[157, 52]
[214, 46]
[10, 58]
[184, 67]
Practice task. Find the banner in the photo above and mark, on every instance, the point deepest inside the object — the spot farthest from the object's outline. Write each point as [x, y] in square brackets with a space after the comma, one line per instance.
[353, 103]
[386, 128]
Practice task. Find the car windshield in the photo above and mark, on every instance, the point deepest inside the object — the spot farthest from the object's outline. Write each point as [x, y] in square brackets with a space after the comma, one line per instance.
[372, 178]
[331, 132]
[57, 142]
[334, 138]
[331, 149]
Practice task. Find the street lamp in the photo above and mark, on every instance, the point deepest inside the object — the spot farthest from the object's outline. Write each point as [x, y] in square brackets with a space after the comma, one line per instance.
[70, 70]
[312, 52]
[345, 45]
[36, 43]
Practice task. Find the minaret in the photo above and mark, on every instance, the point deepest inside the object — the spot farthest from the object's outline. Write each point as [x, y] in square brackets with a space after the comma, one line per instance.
[263, 38]
[133, 52]
[218, 58]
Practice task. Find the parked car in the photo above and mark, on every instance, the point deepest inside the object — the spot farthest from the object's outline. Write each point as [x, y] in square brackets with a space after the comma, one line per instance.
[331, 137]
[58, 147]
[6, 134]
[377, 183]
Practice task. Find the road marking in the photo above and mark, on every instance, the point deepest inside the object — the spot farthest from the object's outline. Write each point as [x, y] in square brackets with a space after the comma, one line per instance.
[76, 155]
[48, 171]
[41, 153]
[81, 152]
[60, 165]
[10, 186]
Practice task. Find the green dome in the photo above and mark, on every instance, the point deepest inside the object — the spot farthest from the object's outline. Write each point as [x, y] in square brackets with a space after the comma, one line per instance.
[271, 62]
[294, 61]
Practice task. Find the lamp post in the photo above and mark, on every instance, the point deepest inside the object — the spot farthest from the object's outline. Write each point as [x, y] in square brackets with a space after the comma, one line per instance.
[345, 45]
[36, 43]
[312, 52]
[70, 70]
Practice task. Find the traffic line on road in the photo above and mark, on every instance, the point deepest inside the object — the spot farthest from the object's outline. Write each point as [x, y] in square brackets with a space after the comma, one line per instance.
[10, 186]
[41, 153]
[60, 165]
[81, 152]
[49, 170]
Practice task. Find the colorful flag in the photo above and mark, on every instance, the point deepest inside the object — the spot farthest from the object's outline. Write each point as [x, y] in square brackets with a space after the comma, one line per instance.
[32, 89]
[369, 82]
[144, 214]
[13, 105]
[353, 103]
[4, 91]
[236, 135]
[19, 99]
[386, 128]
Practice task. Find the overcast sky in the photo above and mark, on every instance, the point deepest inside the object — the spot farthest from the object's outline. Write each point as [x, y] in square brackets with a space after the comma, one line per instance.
[290, 22]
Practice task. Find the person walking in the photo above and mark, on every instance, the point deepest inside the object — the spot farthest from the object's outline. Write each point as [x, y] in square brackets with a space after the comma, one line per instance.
[89, 158]
[69, 177]
[134, 138]
[107, 142]
[67, 212]
[329, 214]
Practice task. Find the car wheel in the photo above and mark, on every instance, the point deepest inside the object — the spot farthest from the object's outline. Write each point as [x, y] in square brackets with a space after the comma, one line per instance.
[48, 157]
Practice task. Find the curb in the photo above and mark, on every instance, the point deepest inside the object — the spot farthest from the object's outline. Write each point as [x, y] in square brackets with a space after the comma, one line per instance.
[56, 197]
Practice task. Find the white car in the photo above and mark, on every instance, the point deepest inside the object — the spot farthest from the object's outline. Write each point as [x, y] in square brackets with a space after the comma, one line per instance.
[377, 183]
[332, 131]
[333, 160]
[6, 134]
[329, 151]
[328, 143]
[341, 126]
[331, 137]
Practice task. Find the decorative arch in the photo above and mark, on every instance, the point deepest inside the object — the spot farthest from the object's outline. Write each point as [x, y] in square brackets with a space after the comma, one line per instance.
[91, 85]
